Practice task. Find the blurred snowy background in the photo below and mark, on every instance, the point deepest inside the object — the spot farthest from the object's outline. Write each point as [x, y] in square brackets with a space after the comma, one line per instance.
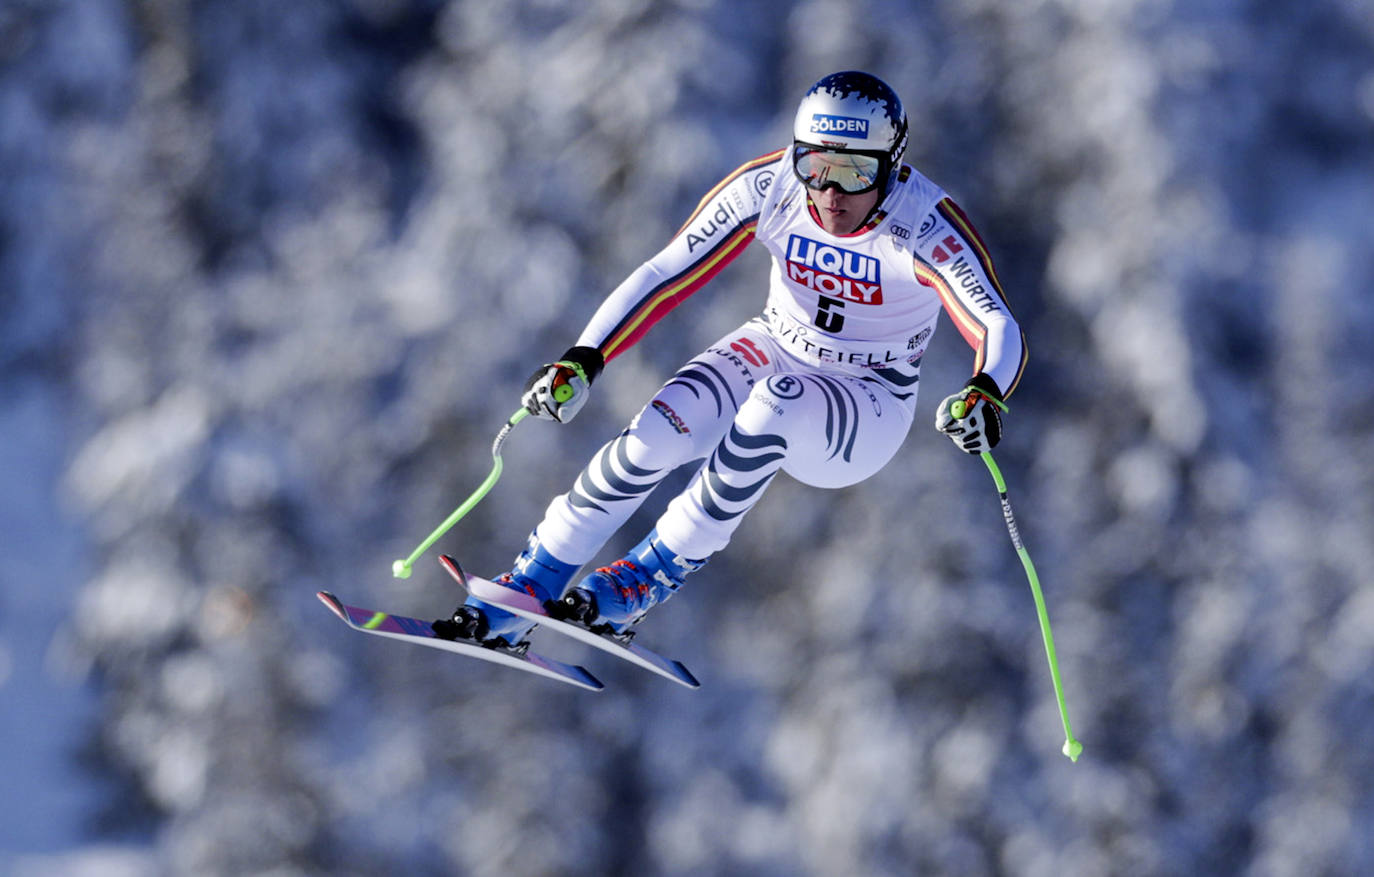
[273, 273]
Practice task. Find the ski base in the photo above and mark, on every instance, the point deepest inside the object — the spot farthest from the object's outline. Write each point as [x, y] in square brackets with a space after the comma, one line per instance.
[414, 630]
[527, 606]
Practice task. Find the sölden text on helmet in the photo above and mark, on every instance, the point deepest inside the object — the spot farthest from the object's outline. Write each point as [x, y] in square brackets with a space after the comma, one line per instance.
[852, 110]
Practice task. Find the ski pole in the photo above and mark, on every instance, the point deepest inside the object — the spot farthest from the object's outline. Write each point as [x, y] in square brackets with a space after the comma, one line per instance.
[1072, 748]
[401, 568]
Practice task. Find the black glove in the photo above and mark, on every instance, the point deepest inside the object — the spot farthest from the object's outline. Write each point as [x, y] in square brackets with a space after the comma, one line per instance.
[971, 417]
[557, 391]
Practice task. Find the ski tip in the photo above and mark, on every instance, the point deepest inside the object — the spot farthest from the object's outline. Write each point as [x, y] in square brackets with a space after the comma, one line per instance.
[686, 676]
[454, 569]
[333, 603]
[573, 673]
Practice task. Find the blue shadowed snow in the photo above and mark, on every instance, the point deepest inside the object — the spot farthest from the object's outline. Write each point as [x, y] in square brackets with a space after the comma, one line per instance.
[47, 707]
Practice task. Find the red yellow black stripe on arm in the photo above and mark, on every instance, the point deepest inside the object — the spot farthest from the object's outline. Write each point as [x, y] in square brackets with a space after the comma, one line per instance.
[672, 292]
[751, 165]
[969, 321]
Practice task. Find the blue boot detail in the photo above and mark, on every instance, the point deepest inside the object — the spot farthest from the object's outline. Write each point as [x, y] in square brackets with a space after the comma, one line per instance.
[537, 573]
[618, 595]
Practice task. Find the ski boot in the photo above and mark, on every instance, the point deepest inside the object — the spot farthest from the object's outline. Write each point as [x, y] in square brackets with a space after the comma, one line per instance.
[614, 597]
[537, 573]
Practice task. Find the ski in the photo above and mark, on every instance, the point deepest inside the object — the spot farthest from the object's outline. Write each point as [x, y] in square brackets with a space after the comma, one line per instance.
[421, 633]
[527, 606]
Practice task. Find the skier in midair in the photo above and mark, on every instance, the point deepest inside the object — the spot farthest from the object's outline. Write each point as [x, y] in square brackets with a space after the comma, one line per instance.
[822, 384]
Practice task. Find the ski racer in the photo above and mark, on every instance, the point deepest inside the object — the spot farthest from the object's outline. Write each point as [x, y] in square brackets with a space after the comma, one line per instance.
[822, 384]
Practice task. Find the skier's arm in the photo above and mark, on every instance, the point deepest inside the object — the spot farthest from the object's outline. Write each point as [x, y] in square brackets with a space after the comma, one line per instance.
[955, 262]
[718, 231]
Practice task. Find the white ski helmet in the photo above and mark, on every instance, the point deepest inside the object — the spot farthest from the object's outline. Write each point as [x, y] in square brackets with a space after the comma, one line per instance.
[850, 113]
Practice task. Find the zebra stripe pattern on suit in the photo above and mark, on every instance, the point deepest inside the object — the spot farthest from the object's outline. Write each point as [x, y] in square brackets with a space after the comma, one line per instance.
[697, 376]
[623, 480]
[841, 416]
[738, 471]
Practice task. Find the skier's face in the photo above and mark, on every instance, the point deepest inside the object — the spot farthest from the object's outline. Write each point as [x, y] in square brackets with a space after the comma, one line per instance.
[841, 213]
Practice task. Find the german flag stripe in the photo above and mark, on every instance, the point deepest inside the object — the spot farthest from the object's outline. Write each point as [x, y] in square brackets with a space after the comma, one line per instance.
[1020, 368]
[955, 217]
[745, 168]
[674, 291]
[970, 326]
[975, 332]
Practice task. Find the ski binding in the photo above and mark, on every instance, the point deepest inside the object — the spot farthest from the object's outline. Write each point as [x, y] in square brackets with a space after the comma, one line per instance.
[527, 606]
[414, 630]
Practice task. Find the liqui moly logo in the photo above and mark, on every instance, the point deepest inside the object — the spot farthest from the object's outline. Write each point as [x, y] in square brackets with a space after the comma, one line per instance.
[833, 271]
[825, 124]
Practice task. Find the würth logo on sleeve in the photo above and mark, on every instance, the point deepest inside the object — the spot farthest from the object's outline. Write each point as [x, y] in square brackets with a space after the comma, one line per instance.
[941, 255]
[833, 271]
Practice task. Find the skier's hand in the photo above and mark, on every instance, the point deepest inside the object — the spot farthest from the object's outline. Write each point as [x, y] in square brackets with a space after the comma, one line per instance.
[971, 417]
[557, 391]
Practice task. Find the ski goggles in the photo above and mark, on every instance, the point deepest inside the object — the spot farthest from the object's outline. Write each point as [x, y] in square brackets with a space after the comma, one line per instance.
[851, 172]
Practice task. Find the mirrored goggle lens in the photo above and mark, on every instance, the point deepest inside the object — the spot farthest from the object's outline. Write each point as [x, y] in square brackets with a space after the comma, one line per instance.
[852, 172]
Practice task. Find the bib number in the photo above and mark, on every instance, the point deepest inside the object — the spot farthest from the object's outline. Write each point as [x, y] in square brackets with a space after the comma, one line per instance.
[828, 316]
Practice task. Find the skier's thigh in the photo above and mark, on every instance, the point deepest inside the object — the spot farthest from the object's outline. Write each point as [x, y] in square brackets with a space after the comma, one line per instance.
[693, 410]
[839, 429]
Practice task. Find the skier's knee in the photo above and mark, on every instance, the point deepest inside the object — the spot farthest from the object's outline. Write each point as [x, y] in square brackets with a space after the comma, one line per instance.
[658, 438]
[678, 425]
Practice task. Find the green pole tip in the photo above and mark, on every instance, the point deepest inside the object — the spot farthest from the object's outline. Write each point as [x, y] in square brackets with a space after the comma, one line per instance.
[1073, 749]
[400, 569]
[957, 409]
[562, 393]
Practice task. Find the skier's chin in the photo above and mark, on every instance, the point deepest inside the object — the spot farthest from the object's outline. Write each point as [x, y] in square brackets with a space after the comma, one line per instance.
[841, 214]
